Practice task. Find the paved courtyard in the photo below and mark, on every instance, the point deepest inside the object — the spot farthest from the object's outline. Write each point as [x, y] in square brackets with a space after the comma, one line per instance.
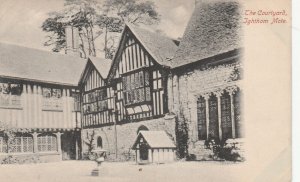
[77, 171]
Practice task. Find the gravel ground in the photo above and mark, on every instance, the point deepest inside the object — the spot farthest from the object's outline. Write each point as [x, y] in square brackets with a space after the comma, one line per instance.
[77, 171]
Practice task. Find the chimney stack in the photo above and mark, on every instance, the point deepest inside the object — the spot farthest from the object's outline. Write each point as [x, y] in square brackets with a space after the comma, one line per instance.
[72, 41]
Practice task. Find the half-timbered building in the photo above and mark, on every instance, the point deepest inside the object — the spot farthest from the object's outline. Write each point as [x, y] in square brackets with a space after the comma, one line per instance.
[137, 85]
[39, 97]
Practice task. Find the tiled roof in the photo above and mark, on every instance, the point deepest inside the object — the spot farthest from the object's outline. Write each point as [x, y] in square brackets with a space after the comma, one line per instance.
[155, 139]
[160, 47]
[102, 65]
[214, 28]
[36, 65]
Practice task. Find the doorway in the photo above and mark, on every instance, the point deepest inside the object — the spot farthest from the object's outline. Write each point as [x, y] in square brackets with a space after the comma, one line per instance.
[68, 146]
[143, 152]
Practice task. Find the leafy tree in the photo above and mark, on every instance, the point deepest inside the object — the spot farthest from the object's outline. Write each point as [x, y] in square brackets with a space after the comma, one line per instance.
[96, 18]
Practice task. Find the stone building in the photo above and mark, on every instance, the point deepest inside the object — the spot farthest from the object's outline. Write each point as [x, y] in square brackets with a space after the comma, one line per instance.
[206, 75]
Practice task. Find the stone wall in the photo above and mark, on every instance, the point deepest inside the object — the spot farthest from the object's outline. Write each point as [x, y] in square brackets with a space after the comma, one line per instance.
[126, 135]
[187, 86]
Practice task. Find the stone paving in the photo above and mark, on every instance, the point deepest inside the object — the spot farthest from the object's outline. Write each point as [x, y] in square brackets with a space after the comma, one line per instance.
[80, 171]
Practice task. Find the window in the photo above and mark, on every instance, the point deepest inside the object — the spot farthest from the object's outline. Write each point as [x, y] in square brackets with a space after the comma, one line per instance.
[136, 87]
[201, 113]
[99, 142]
[47, 143]
[226, 122]
[52, 93]
[213, 117]
[10, 88]
[52, 99]
[10, 95]
[95, 101]
[230, 120]
[22, 143]
[237, 114]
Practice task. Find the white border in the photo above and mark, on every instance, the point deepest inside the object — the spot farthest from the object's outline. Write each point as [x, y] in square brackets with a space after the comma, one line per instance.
[296, 89]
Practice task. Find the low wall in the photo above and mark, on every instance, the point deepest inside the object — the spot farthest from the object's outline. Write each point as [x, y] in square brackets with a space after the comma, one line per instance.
[126, 135]
[23, 158]
[200, 151]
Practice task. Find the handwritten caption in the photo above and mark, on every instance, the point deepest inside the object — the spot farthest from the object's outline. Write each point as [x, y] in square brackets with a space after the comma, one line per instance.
[272, 17]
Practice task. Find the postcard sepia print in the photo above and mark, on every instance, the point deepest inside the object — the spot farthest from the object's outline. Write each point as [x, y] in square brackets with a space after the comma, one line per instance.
[145, 90]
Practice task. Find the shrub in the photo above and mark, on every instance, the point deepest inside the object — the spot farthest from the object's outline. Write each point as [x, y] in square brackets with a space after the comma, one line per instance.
[222, 151]
[22, 159]
[182, 136]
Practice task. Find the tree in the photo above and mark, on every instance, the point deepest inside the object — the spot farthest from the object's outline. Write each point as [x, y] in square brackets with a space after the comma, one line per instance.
[81, 14]
[94, 19]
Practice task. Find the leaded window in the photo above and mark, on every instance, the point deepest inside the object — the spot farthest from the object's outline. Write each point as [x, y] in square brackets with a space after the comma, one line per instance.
[27, 144]
[237, 115]
[136, 88]
[226, 122]
[16, 145]
[47, 143]
[22, 143]
[95, 101]
[213, 117]
[201, 113]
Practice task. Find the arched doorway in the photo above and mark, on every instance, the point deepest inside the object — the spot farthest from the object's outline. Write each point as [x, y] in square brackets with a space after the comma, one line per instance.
[142, 128]
[99, 142]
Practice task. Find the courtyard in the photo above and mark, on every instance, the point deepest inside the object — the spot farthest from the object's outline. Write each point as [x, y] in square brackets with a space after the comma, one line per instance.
[77, 171]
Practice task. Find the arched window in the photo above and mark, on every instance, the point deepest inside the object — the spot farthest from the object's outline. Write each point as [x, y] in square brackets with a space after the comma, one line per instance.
[47, 142]
[99, 142]
[142, 128]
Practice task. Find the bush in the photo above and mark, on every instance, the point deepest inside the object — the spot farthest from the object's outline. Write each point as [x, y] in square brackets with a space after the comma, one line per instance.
[221, 151]
[22, 159]
[191, 157]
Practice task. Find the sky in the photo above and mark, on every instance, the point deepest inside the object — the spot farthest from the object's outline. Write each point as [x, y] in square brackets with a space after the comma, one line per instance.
[21, 20]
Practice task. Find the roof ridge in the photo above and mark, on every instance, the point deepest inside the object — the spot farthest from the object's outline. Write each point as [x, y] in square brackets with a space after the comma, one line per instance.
[36, 49]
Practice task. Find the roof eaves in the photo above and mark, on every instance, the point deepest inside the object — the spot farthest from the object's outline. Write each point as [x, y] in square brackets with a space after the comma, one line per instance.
[39, 81]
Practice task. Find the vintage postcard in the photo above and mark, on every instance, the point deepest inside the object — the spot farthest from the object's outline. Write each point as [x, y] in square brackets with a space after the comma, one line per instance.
[145, 90]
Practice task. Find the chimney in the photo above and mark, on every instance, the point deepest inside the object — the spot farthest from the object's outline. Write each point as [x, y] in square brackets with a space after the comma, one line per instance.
[72, 41]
